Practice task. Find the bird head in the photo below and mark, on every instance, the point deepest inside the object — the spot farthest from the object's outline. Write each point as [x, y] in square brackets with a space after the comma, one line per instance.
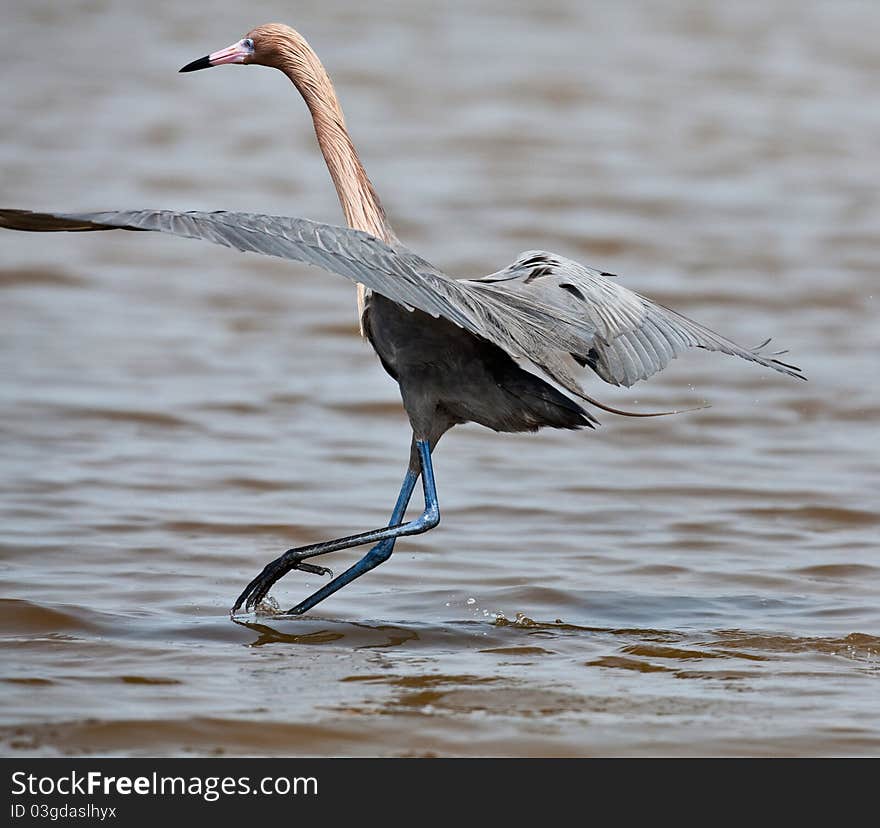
[263, 45]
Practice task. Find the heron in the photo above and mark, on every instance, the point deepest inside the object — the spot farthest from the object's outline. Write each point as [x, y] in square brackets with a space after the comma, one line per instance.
[504, 351]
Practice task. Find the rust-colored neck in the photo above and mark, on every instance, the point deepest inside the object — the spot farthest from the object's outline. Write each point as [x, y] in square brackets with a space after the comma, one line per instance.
[359, 201]
[360, 204]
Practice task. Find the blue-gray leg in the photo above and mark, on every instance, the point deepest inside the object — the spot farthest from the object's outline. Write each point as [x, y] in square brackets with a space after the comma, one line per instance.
[383, 538]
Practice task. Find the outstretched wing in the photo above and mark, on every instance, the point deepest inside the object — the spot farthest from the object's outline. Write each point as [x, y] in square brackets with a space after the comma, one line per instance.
[394, 272]
[625, 336]
[545, 309]
[400, 275]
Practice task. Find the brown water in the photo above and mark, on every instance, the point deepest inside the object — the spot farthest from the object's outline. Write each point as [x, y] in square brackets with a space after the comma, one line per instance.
[175, 415]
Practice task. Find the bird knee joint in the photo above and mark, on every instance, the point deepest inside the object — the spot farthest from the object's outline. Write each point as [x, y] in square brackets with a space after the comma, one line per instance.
[429, 519]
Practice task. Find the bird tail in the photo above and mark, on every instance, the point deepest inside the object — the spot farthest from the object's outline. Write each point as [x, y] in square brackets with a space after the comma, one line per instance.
[540, 405]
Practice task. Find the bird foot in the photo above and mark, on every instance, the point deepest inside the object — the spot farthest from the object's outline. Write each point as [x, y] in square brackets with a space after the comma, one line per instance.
[257, 589]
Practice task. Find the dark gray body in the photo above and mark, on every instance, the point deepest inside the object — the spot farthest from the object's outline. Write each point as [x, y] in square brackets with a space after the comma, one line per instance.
[449, 376]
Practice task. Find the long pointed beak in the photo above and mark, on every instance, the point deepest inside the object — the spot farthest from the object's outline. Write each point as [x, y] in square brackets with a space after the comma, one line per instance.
[236, 53]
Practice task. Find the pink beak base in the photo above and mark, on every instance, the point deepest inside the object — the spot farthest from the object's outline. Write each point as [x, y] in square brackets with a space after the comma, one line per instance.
[236, 53]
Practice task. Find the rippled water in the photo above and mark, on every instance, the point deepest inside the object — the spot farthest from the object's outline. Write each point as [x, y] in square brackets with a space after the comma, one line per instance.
[175, 415]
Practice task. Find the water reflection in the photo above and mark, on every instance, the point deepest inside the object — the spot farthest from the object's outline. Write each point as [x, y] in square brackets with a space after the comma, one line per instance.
[354, 635]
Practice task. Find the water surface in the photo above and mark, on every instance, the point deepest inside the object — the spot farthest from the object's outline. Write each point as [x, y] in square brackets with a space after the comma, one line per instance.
[175, 415]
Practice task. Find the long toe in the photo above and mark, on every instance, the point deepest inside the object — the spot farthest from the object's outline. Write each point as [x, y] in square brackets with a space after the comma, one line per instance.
[260, 590]
[259, 587]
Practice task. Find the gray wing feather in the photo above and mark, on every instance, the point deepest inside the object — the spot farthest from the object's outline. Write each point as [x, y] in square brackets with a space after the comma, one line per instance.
[624, 337]
[542, 308]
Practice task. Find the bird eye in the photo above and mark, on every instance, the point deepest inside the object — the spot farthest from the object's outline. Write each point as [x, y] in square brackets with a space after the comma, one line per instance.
[249, 43]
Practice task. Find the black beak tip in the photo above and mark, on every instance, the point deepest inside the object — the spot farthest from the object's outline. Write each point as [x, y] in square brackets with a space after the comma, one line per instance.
[201, 63]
